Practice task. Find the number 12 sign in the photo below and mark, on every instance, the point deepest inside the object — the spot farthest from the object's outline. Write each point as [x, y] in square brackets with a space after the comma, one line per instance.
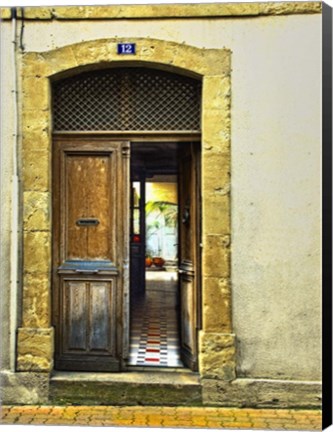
[126, 48]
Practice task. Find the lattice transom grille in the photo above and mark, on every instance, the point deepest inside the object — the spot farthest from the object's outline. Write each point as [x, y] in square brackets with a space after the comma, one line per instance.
[127, 99]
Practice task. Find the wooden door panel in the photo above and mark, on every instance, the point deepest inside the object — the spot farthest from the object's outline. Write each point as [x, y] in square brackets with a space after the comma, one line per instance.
[88, 195]
[90, 252]
[102, 316]
[88, 321]
[75, 198]
[76, 321]
[189, 256]
[187, 336]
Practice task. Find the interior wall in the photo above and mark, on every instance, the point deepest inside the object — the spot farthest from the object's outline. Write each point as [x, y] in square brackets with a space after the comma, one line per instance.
[162, 191]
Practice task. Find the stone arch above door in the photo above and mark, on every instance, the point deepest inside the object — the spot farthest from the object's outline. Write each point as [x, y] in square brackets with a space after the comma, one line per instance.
[213, 66]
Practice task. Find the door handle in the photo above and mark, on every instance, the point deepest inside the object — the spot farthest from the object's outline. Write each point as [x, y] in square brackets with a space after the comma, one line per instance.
[86, 271]
[187, 273]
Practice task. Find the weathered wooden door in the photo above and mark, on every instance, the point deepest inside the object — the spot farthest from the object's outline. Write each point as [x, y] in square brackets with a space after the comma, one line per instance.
[189, 267]
[90, 253]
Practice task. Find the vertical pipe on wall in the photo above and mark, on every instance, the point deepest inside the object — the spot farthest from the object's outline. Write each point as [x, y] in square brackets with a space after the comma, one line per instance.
[15, 206]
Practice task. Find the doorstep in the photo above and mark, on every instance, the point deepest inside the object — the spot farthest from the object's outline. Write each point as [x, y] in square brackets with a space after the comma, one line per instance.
[126, 388]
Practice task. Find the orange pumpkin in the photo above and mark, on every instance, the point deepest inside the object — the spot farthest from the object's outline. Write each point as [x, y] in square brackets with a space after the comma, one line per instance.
[158, 261]
[149, 261]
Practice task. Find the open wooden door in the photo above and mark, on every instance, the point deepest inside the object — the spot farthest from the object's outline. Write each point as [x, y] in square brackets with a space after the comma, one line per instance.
[189, 227]
[90, 253]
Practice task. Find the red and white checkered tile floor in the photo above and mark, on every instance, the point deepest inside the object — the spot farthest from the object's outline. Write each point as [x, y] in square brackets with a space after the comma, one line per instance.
[154, 326]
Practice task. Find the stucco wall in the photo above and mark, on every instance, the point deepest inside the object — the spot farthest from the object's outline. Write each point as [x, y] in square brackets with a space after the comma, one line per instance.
[276, 136]
[276, 195]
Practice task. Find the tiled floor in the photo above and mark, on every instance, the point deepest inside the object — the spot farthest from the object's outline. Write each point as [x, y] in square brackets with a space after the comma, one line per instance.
[154, 327]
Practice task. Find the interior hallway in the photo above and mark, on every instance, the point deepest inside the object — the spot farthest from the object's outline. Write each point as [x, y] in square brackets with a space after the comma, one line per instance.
[154, 338]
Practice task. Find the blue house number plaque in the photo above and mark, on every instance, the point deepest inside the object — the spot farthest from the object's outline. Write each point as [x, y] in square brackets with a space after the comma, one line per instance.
[126, 48]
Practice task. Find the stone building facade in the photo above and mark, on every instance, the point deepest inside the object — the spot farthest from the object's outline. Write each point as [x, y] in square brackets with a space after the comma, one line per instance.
[257, 273]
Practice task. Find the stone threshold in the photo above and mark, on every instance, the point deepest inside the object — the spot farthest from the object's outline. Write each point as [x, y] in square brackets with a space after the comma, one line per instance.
[136, 375]
[126, 388]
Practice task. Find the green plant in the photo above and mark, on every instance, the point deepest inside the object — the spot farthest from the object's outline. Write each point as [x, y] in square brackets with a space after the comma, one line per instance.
[159, 215]
[165, 209]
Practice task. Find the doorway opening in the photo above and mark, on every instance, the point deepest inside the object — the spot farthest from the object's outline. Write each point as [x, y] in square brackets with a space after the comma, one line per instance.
[160, 320]
[96, 234]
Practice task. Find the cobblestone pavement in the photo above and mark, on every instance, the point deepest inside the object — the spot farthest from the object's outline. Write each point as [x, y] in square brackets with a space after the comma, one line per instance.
[184, 417]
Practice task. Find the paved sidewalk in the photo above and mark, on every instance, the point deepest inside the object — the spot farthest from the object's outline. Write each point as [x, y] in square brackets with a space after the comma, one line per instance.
[185, 417]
